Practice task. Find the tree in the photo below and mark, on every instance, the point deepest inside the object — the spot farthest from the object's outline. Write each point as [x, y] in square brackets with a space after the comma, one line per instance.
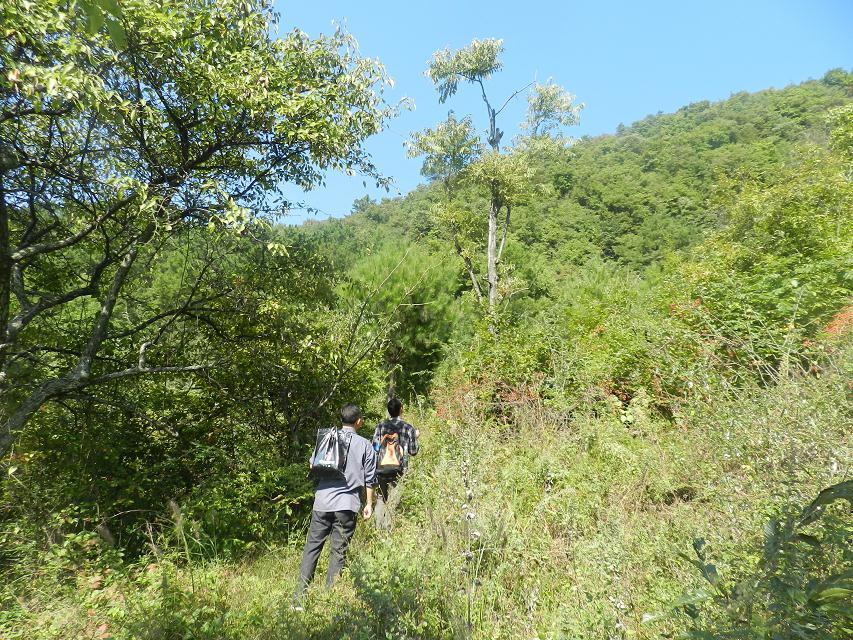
[410, 291]
[507, 177]
[550, 106]
[503, 177]
[776, 274]
[448, 149]
[107, 153]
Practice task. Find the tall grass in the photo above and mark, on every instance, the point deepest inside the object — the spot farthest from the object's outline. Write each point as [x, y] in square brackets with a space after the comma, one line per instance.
[519, 523]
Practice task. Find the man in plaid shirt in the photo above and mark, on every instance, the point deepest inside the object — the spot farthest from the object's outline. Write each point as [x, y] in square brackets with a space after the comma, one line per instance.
[407, 436]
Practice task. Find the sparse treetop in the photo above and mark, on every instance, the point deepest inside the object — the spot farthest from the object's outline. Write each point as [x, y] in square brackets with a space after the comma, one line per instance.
[474, 63]
[448, 148]
[550, 106]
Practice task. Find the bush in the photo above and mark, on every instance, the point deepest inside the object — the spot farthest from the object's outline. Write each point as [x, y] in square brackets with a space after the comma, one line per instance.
[800, 586]
[781, 268]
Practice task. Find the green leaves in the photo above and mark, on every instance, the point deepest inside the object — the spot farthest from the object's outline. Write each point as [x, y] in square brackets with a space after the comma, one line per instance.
[550, 106]
[448, 149]
[96, 18]
[193, 125]
[841, 491]
[796, 584]
[409, 293]
[474, 63]
[117, 33]
[707, 569]
[507, 176]
[832, 590]
[781, 267]
[841, 122]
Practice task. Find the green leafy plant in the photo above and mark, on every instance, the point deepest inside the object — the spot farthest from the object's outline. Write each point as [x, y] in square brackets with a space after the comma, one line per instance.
[801, 585]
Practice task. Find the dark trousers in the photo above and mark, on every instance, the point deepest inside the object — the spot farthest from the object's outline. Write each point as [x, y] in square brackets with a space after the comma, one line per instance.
[388, 481]
[340, 525]
[388, 501]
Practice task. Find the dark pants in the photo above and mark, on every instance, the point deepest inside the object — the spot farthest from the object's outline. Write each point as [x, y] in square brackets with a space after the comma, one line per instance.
[388, 481]
[340, 525]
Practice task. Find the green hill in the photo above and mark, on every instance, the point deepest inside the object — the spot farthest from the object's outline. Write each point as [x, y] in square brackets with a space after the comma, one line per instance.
[611, 212]
[634, 195]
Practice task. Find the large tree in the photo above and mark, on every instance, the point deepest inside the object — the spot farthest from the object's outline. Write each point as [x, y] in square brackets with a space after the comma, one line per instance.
[188, 115]
[505, 175]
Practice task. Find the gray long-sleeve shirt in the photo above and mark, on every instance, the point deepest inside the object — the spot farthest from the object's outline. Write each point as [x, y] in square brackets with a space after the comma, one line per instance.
[344, 494]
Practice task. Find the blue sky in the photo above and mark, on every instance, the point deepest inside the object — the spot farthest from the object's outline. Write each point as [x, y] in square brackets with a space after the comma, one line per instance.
[624, 59]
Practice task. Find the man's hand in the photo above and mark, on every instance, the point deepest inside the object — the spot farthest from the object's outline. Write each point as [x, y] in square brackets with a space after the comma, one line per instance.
[417, 433]
[368, 504]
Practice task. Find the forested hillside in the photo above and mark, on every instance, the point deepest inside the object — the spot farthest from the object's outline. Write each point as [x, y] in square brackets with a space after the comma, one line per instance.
[629, 355]
[644, 207]
[636, 194]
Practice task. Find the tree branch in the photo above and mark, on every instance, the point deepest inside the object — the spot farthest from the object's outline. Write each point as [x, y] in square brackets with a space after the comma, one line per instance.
[137, 371]
[514, 93]
[28, 252]
[6, 276]
[469, 265]
[187, 310]
[28, 313]
[99, 331]
[17, 286]
[11, 115]
[183, 133]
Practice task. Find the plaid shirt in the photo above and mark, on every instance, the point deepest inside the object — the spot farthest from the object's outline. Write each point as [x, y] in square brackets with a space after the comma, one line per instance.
[405, 433]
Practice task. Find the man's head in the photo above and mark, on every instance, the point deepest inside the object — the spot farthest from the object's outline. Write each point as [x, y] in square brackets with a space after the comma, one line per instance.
[395, 407]
[350, 414]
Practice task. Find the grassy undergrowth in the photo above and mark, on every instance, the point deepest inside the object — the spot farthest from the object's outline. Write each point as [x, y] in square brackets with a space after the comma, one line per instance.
[516, 522]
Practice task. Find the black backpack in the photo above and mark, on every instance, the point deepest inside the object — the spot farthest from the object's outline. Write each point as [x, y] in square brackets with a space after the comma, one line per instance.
[330, 453]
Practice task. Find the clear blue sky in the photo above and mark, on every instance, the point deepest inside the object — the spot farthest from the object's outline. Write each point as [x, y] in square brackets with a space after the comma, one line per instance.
[624, 59]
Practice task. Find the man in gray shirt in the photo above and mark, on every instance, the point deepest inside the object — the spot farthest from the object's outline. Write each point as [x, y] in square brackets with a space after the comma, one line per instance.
[337, 501]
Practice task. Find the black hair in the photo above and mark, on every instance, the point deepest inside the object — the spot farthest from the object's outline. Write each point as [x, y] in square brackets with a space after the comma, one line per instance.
[394, 407]
[350, 413]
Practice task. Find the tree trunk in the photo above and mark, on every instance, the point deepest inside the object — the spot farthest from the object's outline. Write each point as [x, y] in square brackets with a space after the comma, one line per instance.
[492, 249]
[79, 377]
[392, 381]
[503, 233]
[468, 265]
[495, 136]
[19, 418]
[5, 278]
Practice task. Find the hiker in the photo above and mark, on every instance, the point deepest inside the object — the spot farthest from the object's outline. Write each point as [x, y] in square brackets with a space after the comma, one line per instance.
[337, 501]
[394, 441]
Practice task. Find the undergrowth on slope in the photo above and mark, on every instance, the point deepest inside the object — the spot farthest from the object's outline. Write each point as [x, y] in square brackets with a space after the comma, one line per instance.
[526, 522]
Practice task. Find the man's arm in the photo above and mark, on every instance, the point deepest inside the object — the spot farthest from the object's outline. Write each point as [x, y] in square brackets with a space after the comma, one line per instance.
[369, 467]
[377, 437]
[369, 480]
[368, 507]
[413, 441]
